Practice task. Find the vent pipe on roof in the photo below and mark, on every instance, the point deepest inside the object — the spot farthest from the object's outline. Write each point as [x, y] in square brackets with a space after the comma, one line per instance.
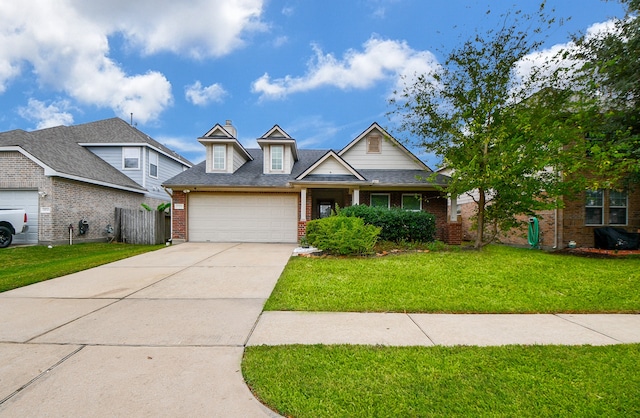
[230, 128]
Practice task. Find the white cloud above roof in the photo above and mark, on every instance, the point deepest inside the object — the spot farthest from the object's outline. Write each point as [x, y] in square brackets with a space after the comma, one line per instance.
[201, 96]
[379, 60]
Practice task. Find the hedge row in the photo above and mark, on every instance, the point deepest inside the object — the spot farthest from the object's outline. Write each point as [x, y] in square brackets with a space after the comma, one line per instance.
[396, 224]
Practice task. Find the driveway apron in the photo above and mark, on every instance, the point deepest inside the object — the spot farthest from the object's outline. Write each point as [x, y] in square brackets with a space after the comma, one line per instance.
[159, 334]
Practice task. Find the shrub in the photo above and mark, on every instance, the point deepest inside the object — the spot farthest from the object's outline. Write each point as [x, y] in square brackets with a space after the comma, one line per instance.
[396, 224]
[342, 235]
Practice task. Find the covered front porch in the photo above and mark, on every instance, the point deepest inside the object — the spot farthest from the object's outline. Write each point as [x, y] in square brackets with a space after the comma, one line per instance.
[319, 202]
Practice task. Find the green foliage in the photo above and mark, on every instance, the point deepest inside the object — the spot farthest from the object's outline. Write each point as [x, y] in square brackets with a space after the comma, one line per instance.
[163, 206]
[342, 235]
[396, 224]
[146, 207]
[608, 80]
[490, 128]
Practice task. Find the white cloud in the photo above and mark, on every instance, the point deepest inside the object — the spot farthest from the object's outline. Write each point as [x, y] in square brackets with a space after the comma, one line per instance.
[47, 116]
[379, 60]
[199, 28]
[202, 96]
[65, 44]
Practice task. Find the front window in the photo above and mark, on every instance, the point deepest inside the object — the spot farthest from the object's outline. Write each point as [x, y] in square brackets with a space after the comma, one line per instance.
[617, 208]
[153, 164]
[277, 157]
[131, 158]
[594, 208]
[412, 202]
[219, 157]
[380, 200]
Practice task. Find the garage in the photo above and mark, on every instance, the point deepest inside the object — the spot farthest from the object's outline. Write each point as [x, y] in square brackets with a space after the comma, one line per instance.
[243, 217]
[27, 200]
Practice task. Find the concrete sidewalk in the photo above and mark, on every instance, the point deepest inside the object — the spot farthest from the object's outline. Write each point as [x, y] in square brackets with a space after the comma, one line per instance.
[159, 334]
[162, 334]
[396, 329]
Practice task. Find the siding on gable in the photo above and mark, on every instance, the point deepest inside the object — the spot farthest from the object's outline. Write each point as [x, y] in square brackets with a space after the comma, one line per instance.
[391, 157]
[331, 166]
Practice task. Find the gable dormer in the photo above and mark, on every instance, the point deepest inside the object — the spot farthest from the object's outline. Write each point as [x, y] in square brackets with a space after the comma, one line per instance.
[224, 153]
[279, 151]
[375, 149]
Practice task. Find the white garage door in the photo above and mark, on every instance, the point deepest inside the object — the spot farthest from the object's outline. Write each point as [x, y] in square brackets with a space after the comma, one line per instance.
[243, 217]
[27, 200]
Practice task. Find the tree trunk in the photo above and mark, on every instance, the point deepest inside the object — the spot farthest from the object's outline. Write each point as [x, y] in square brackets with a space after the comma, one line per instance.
[480, 231]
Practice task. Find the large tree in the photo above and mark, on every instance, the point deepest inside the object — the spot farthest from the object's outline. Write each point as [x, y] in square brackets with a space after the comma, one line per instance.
[509, 137]
[609, 78]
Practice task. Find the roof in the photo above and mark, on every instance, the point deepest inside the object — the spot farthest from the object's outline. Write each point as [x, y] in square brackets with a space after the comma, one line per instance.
[60, 152]
[251, 175]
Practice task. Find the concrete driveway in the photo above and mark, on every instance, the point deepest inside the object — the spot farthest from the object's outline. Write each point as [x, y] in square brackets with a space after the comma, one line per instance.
[159, 334]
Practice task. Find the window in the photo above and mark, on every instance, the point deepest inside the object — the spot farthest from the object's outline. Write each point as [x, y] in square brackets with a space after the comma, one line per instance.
[277, 157]
[219, 157]
[380, 200]
[153, 164]
[131, 158]
[594, 208]
[374, 143]
[412, 202]
[617, 208]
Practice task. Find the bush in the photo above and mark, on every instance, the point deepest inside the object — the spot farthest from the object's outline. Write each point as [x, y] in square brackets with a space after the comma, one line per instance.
[342, 235]
[396, 224]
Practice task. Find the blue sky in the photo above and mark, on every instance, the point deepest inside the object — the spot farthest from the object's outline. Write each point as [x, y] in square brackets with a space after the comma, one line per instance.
[322, 70]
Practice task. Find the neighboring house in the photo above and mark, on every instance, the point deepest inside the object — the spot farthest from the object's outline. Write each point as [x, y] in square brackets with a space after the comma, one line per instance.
[576, 221]
[269, 194]
[68, 174]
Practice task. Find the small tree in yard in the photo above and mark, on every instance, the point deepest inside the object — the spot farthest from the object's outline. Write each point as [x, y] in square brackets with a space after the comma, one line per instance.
[501, 140]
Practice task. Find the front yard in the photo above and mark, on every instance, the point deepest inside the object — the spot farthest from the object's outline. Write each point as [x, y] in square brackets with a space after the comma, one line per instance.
[22, 266]
[365, 381]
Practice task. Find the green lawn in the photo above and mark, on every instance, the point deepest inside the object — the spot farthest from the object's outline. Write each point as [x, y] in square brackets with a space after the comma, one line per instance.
[22, 266]
[511, 381]
[498, 279]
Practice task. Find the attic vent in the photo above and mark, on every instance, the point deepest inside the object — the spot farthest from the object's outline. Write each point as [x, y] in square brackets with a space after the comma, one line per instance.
[374, 143]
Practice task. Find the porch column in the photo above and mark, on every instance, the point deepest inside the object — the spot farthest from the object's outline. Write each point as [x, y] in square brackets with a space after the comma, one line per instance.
[355, 197]
[453, 216]
[303, 204]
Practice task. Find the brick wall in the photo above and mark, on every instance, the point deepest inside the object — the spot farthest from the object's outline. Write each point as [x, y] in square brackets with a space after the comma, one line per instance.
[179, 216]
[67, 201]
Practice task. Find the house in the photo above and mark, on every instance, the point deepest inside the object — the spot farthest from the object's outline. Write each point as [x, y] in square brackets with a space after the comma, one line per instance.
[574, 222]
[269, 193]
[67, 175]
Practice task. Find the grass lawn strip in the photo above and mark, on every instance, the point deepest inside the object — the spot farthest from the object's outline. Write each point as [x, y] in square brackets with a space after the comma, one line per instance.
[498, 279]
[524, 381]
[22, 266]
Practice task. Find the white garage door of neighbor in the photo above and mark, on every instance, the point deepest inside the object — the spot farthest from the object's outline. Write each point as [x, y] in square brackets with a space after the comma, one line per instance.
[242, 217]
[27, 200]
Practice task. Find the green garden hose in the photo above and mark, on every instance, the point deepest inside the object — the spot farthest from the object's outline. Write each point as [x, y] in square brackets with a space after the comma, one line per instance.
[534, 233]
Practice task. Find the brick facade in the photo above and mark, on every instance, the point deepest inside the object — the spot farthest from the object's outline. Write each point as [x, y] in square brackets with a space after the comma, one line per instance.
[67, 202]
[558, 227]
[179, 216]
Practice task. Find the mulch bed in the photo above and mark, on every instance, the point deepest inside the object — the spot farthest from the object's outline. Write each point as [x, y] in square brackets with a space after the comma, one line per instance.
[599, 253]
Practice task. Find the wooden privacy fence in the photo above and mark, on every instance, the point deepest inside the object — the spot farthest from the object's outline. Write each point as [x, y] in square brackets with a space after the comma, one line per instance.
[136, 226]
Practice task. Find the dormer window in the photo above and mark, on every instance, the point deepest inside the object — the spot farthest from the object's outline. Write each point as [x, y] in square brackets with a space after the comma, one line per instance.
[219, 157]
[277, 157]
[374, 144]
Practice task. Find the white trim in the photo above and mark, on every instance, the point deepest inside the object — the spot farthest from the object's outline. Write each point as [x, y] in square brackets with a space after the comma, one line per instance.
[303, 204]
[272, 160]
[213, 157]
[586, 197]
[323, 159]
[625, 207]
[157, 164]
[124, 158]
[355, 197]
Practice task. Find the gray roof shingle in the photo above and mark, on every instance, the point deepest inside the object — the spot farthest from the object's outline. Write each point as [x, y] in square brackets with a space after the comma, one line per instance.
[59, 149]
[251, 175]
